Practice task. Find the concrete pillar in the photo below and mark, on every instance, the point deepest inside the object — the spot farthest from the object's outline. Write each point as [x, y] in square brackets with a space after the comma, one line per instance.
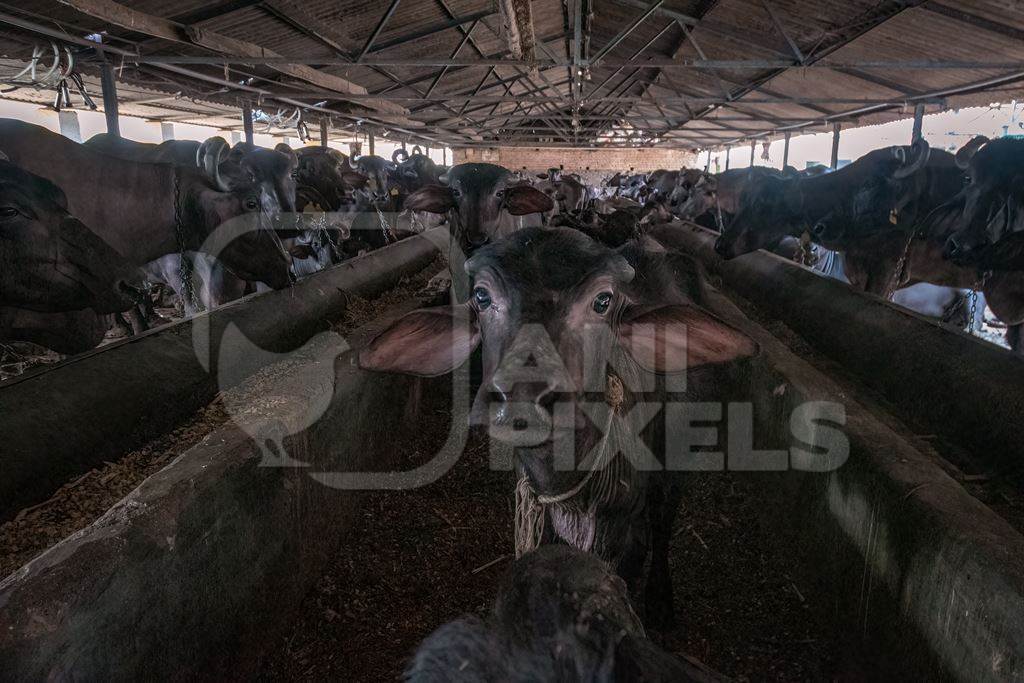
[166, 130]
[109, 85]
[918, 123]
[753, 151]
[728, 151]
[323, 132]
[236, 137]
[834, 163]
[444, 156]
[247, 123]
[287, 140]
[69, 127]
[369, 144]
[785, 151]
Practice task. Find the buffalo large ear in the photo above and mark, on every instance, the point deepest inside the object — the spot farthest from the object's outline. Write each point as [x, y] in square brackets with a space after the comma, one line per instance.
[679, 337]
[287, 151]
[523, 199]
[427, 342]
[432, 199]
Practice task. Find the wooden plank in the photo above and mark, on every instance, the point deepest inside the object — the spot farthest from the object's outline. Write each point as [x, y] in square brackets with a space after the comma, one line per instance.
[134, 20]
[126, 17]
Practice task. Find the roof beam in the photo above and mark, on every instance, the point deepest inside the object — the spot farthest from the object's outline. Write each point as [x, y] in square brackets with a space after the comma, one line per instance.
[52, 32]
[430, 30]
[797, 53]
[614, 42]
[158, 27]
[214, 11]
[298, 18]
[380, 27]
[975, 20]
[462, 43]
[273, 59]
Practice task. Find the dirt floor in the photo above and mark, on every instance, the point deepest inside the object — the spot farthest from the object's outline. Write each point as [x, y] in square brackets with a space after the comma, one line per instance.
[425, 556]
[84, 499]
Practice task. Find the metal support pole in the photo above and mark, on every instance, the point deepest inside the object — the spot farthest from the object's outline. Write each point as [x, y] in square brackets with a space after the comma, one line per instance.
[728, 150]
[166, 131]
[444, 156]
[323, 132]
[834, 164]
[753, 151]
[369, 143]
[707, 166]
[247, 123]
[69, 128]
[785, 151]
[918, 122]
[109, 85]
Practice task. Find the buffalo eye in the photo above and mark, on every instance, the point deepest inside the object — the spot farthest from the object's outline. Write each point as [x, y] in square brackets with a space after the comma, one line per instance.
[482, 298]
[456, 192]
[8, 212]
[294, 174]
[602, 302]
[251, 204]
[500, 194]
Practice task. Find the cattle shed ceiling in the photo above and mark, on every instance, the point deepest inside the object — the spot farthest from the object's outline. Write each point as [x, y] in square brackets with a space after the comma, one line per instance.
[690, 74]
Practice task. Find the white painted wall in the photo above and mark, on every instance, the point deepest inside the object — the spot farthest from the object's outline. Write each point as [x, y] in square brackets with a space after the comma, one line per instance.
[133, 128]
[947, 130]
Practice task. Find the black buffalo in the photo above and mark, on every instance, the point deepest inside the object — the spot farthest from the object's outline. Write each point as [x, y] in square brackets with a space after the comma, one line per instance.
[49, 260]
[560, 616]
[553, 309]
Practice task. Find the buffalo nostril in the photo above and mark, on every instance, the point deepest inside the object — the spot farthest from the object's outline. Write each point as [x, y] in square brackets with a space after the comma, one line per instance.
[520, 424]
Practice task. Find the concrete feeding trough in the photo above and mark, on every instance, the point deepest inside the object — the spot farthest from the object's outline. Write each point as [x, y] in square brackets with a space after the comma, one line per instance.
[62, 420]
[199, 569]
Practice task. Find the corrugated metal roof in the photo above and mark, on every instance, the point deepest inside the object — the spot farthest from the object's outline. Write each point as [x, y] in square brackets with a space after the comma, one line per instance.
[514, 104]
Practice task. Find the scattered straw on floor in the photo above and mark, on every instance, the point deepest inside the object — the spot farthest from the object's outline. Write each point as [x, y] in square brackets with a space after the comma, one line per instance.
[359, 310]
[419, 558]
[81, 501]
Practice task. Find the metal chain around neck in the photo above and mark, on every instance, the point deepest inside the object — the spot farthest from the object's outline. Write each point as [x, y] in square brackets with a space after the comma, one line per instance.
[385, 227]
[980, 284]
[901, 267]
[184, 264]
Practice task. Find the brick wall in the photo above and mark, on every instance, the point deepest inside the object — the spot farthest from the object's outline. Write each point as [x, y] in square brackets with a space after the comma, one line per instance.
[598, 160]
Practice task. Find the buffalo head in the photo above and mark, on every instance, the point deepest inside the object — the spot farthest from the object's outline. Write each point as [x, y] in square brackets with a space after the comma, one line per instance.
[49, 260]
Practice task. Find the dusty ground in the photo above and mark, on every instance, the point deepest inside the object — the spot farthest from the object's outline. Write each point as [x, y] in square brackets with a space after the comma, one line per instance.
[423, 557]
[83, 500]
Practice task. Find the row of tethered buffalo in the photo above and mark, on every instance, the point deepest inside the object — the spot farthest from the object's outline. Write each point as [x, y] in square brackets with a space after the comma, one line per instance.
[89, 226]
